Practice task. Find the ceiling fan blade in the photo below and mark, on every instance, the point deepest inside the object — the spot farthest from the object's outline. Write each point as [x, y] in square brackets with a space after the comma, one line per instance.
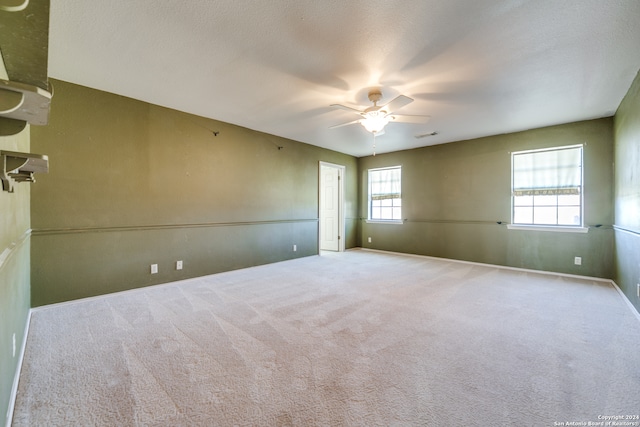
[344, 107]
[344, 124]
[403, 118]
[397, 103]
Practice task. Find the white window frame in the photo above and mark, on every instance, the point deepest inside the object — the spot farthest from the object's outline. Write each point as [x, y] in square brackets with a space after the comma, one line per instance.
[370, 219]
[550, 227]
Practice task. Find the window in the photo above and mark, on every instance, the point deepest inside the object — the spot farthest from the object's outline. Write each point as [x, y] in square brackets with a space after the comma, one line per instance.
[385, 200]
[547, 187]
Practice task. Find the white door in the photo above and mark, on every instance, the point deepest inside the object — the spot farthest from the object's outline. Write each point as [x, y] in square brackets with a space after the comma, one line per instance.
[330, 203]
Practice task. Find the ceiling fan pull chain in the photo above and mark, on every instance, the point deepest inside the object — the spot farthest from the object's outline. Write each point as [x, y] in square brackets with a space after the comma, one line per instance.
[374, 144]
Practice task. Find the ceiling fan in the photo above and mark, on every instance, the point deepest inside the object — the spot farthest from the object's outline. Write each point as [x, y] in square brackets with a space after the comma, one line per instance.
[376, 117]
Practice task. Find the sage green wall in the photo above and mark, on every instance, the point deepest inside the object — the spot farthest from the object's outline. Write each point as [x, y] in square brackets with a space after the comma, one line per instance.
[131, 184]
[627, 193]
[454, 194]
[23, 58]
[14, 272]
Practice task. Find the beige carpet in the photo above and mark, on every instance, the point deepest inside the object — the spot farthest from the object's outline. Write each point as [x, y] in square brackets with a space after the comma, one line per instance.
[352, 339]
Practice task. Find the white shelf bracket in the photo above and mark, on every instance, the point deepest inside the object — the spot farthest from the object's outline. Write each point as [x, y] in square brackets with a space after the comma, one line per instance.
[21, 102]
[13, 5]
[20, 167]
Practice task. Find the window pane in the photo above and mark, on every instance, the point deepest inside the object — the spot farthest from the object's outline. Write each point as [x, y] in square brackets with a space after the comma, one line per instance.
[573, 199]
[522, 200]
[386, 213]
[545, 215]
[545, 201]
[523, 215]
[375, 213]
[386, 202]
[397, 214]
[569, 215]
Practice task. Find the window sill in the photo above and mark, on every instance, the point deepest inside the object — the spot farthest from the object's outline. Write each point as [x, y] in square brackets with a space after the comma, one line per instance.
[557, 229]
[382, 221]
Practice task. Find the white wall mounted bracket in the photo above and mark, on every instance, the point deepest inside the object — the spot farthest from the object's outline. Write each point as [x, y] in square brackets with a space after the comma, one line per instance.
[20, 167]
[13, 5]
[21, 102]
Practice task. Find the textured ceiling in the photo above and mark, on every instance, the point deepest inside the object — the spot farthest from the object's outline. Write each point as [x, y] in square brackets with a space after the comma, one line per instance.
[477, 67]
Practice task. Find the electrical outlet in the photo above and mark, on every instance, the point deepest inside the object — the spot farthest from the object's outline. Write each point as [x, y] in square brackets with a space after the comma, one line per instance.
[369, 239]
[638, 291]
[295, 248]
[154, 268]
[577, 260]
[178, 265]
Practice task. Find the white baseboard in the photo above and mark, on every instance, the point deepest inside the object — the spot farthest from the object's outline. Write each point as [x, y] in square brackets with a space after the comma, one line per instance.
[626, 299]
[504, 267]
[527, 270]
[16, 378]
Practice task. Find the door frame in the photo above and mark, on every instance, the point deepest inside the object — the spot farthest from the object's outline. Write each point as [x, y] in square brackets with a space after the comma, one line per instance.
[341, 217]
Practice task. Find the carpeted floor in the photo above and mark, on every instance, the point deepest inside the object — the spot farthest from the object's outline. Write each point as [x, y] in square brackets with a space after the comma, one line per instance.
[345, 339]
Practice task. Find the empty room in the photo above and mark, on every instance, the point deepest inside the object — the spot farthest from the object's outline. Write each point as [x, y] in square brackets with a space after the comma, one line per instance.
[305, 213]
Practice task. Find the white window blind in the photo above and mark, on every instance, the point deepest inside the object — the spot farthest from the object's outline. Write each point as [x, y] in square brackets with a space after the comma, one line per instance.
[385, 194]
[549, 172]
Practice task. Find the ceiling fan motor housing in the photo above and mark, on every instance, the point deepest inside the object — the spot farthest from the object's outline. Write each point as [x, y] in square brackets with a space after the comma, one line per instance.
[375, 95]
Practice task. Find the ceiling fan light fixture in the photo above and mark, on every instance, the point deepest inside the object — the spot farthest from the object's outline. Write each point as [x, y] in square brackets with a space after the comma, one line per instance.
[374, 122]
